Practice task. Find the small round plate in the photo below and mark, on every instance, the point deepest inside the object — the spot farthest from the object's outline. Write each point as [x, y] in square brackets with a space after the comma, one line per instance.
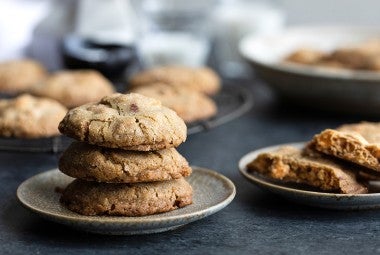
[304, 196]
[212, 192]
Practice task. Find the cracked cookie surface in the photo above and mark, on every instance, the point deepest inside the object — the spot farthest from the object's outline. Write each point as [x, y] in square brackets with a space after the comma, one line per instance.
[290, 165]
[204, 79]
[121, 199]
[74, 88]
[94, 163]
[126, 121]
[190, 105]
[30, 117]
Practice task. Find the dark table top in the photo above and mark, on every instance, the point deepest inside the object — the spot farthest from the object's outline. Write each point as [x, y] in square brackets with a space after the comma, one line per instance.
[256, 222]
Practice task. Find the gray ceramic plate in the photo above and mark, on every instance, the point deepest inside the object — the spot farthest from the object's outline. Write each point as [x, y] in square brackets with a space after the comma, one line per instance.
[212, 192]
[333, 90]
[308, 197]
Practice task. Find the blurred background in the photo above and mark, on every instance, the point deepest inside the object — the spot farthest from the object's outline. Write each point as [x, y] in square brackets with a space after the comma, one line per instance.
[121, 37]
[24, 24]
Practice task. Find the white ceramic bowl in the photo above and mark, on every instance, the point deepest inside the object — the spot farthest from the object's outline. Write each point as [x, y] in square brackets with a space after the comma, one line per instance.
[347, 91]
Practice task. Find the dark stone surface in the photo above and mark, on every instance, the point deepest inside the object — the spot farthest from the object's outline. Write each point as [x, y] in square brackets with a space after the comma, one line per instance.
[256, 222]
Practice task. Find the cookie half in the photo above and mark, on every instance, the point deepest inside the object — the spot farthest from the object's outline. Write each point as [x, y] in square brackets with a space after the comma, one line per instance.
[358, 143]
[94, 163]
[74, 88]
[190, 105]
[94, 198]
[30, 117]
[203, 79]
[18, 76]
[290, 165]
[126, 121]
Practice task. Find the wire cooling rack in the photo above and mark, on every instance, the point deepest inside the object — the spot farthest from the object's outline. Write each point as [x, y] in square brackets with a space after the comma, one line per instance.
[232, 101]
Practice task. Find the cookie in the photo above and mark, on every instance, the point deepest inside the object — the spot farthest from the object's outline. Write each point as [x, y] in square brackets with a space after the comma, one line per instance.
[94, 163]
[74, 88]
[30, 117]
[190, 105]
[202, 80]
[368, 130]
[374, 64]
[352, 58]
[357, 143]
[305, 56]
[18, 76]
[94, 198]
[126, 121]
[290, 165]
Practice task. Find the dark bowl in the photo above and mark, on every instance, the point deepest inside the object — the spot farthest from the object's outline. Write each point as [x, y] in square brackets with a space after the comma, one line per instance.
[110, 59]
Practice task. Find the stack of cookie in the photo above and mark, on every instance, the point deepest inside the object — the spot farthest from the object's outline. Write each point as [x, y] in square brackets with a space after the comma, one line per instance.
[335, 160]
[125, 158]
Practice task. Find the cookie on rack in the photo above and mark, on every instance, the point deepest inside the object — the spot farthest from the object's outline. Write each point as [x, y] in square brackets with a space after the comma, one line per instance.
[358, 143]
[203, 79]
[74, 88]
[125, 121]
[122, 199]
[18, 76]
[289, 164]
[27, 116]
[94, 163]
[189, 104]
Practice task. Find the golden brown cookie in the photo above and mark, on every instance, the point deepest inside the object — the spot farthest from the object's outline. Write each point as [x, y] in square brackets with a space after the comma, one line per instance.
[126, 121]
[352, 58]
[357, 143]
[368, 130]
[203, 79]
[305, 56]
[374, 63]
[190, 105]
[94, 163]
[94, 198]
[18, 76]
[290, 165]
[74, 88]
[30, 117]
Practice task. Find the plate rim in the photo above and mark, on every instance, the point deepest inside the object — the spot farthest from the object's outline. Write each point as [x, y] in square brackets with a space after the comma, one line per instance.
[215, 121]
[115, 220]
[353, 75]
[256, 179]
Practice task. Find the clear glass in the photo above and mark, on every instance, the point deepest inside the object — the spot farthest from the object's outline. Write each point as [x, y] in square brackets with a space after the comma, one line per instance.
[174, 32]
[233, 19]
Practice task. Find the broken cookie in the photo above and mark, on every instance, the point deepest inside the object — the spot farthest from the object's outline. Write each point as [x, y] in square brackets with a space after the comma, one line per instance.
[357, 143]
[290, 165]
